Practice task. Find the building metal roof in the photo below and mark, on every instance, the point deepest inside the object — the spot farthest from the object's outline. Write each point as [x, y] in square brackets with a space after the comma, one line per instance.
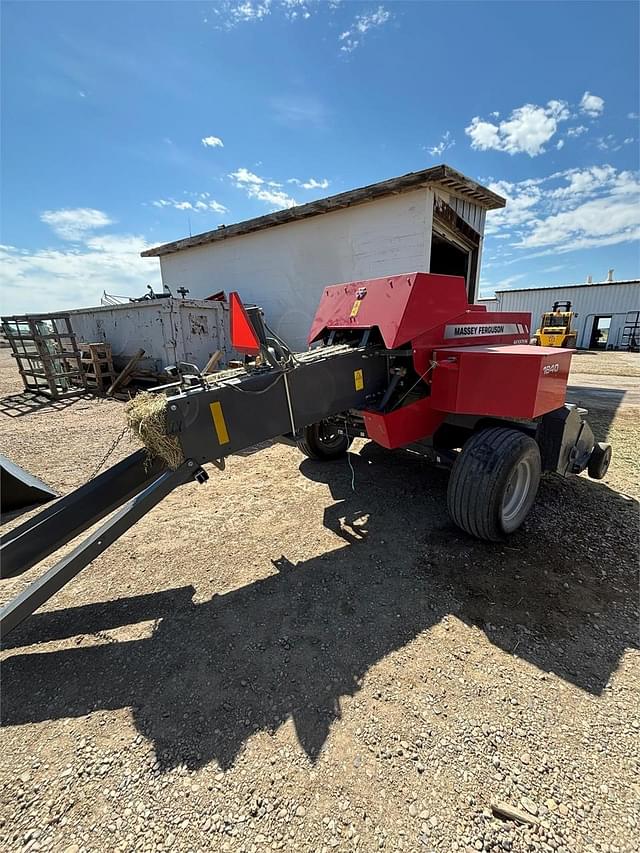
[567, 286]
[443, 176]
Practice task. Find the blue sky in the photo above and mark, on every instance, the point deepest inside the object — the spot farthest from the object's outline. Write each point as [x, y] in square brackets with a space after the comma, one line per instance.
[130, 124]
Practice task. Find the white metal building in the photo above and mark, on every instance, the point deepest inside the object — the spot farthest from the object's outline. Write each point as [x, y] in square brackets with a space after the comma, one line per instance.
[431, 220]
[607, 313]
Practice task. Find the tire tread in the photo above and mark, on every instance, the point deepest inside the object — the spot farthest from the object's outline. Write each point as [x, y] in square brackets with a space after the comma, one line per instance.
[476, 483]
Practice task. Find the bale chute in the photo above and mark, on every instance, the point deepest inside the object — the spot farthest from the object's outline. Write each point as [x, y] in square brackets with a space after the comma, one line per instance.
[19, 489]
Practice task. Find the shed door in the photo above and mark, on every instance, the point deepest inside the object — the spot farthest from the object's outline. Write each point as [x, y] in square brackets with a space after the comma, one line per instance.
[455, 246]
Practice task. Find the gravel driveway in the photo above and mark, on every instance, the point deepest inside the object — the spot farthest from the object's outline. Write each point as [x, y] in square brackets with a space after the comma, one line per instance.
[276, 662]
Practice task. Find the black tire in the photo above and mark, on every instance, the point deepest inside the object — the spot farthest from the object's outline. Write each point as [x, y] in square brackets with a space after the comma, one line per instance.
[322, 441]
[599, 461]
[494, 482]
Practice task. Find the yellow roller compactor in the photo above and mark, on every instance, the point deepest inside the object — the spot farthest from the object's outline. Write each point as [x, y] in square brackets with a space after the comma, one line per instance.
[555, 327]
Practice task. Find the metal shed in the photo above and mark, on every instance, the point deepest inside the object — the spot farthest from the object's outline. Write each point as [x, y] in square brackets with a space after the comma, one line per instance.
[607, 313]
[432, 220]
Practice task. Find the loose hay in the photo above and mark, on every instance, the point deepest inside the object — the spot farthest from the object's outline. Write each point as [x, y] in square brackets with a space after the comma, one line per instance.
[147, 419]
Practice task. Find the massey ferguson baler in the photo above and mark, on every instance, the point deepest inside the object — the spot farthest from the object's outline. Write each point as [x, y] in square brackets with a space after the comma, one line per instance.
[403, 360]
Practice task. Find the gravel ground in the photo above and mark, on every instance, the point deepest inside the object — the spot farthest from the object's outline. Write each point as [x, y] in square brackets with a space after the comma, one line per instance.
[606, 363]
[275, 662]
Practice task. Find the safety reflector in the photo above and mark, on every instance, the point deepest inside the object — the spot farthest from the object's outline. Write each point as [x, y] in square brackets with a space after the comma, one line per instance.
[243, 336]
[219, 422]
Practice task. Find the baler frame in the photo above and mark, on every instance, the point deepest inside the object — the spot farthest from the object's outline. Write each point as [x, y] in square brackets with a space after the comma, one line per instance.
[401, 360]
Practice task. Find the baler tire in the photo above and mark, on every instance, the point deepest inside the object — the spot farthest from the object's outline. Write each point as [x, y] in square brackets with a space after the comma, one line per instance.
[312, 445]
[495, 467]
[599, 461]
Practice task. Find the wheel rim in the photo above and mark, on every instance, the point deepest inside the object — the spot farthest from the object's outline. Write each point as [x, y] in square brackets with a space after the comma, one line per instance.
[329, 437]
[516, 493]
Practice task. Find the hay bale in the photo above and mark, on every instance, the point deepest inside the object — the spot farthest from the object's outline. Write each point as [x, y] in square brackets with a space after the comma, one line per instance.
[147, 419]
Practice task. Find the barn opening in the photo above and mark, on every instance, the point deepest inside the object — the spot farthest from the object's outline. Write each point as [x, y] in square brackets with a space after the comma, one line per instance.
[447, 258]
[455, 246]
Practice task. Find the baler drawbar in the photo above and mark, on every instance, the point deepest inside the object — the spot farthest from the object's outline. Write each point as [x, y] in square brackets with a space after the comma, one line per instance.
[403, 361]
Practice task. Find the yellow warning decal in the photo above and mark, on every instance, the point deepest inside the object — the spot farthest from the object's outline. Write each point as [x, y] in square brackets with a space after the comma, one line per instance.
[356, 307]
[358, 379]
[219, 422]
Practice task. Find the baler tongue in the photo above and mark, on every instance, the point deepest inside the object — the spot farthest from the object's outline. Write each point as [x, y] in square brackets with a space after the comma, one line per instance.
[137, 479]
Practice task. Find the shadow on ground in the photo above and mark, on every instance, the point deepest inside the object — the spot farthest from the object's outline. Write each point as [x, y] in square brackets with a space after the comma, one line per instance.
[292, 644]
[28, 402]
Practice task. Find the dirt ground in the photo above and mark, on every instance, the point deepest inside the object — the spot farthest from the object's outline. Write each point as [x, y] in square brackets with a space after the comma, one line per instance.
[273, 661]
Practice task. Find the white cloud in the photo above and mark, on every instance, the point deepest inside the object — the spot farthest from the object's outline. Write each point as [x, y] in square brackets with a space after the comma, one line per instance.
[59, 279]
[244, 176]
[352, 38]
[560, 144]
[204, 202]
[232, 13]
[634, 116]
[526, 130]
[591, 105]
[74, 223]
[246, 11]
[294, 9]
[600, 222]
[375, 19]
[584, 181]
[212, 142]
[576, 131]
[611, 143]
[445, 143]
[276, 198]
[568, 210]
[311, 184]
[256, 187]
[521, 201]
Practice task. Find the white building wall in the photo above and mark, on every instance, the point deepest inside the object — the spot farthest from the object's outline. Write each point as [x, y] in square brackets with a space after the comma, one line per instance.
[284, 269]
[588, 302]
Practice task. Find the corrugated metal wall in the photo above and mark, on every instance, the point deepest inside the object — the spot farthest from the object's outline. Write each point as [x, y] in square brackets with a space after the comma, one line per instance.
[588, 302]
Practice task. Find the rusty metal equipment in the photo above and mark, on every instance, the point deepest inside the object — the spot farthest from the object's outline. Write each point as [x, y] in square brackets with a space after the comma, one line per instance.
[403, 361]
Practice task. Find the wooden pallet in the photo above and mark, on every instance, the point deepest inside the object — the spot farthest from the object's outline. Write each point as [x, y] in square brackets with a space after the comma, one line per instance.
[97, 363]
[46, 353]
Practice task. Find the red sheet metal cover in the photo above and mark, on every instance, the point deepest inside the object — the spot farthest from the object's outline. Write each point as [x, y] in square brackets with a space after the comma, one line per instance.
[404, 425]
[518, 381]
[401, 306]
